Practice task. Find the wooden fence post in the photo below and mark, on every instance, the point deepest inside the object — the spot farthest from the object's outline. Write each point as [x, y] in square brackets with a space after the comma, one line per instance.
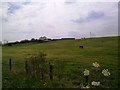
[26, 67]
[59, 70]
[10, 63]
[51, 71]
[86, 79]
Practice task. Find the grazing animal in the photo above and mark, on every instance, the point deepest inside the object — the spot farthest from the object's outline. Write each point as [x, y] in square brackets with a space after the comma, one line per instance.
[80, 46]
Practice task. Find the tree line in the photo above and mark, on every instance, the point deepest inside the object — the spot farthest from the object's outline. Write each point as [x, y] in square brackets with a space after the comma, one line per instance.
[28, 41]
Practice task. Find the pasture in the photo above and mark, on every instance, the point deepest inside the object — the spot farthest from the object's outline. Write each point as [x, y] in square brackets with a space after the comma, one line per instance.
[68, 58]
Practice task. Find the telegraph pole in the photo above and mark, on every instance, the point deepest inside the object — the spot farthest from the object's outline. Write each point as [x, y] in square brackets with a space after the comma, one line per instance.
[90, 34]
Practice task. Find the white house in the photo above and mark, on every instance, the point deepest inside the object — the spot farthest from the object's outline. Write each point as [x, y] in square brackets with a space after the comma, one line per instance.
[44, 38]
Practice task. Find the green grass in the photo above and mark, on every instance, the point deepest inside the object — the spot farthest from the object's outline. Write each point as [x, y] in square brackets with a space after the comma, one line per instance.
[74, 60]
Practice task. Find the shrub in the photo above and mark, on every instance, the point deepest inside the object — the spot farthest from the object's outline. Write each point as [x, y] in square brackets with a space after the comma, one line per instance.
[36, 65]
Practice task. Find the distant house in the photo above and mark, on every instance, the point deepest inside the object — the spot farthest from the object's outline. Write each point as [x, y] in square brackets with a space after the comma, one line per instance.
[56, 39]
[44, 38]
[67, 38]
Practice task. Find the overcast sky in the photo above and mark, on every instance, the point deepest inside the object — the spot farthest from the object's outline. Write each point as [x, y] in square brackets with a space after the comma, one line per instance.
[28, 20]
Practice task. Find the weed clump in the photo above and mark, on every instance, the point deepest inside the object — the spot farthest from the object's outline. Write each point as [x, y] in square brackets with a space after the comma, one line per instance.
[36, 65]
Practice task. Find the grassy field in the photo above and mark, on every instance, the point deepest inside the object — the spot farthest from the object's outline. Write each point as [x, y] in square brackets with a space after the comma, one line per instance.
[73, 62]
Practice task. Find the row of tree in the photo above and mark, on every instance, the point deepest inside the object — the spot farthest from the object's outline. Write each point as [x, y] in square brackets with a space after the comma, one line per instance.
[28, 41]
[40, 40]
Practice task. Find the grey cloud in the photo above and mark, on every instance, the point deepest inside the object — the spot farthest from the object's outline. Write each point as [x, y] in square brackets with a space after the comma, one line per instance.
[50, 26]
[13, 7]
[4, 19]
[27, 2]
[27, 32]
[79, 20]
[70, 1]
[110, 30]
[77, 34]
[93, 15]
